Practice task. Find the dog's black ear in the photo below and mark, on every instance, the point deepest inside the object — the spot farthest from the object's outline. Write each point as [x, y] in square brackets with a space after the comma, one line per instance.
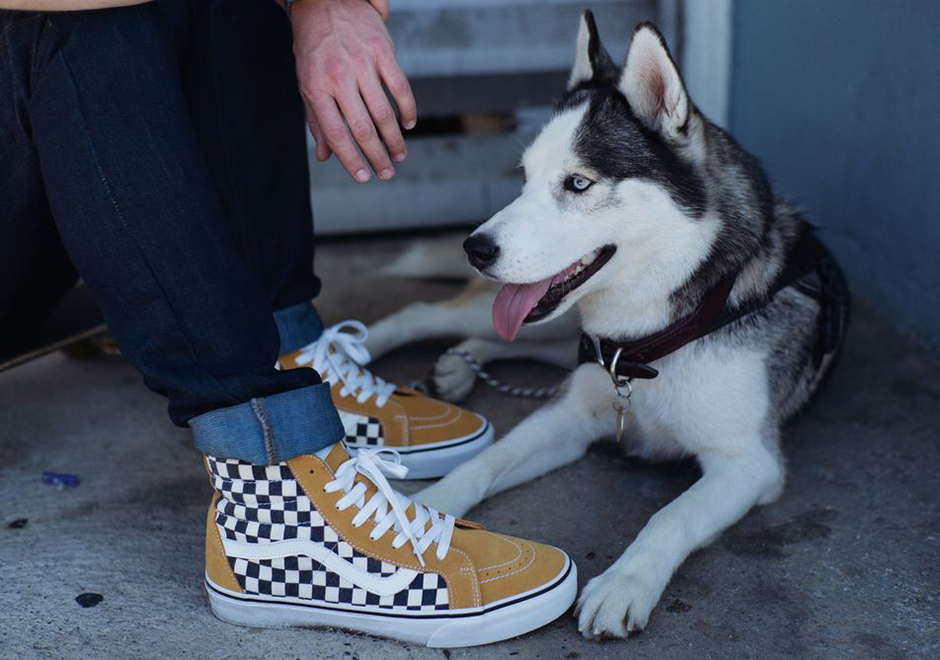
[592, 64]
[652, 84]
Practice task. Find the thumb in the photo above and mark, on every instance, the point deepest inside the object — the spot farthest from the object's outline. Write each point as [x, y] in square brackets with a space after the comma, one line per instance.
[381, 6]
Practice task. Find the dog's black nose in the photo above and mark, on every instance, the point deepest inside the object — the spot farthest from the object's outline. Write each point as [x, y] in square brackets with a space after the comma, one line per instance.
[481, 250]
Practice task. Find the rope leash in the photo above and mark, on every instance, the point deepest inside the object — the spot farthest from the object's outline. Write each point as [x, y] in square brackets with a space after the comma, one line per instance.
[499, 385]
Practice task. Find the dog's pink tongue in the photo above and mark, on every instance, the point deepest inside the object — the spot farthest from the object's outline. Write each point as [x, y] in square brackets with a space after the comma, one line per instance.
[513, 303]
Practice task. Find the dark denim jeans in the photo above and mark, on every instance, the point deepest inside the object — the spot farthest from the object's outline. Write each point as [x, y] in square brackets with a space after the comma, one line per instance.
[158, 152]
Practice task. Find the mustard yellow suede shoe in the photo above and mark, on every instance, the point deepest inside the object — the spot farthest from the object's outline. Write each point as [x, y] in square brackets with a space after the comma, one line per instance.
[323, 540]
[431, 436]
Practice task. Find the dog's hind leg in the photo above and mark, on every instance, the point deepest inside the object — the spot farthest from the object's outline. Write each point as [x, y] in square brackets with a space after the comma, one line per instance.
[467, 314]
[454, 379]
[553, 436]
[397, 329]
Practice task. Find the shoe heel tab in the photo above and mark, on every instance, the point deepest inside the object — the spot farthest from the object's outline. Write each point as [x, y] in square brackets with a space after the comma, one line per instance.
[217, 567]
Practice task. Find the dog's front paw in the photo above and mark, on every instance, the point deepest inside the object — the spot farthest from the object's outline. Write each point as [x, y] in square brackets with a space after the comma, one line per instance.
[614, 604]
[453, 378]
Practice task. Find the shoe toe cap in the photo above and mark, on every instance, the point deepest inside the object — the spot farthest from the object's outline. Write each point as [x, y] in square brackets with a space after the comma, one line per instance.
[517, 566]
[443, 423]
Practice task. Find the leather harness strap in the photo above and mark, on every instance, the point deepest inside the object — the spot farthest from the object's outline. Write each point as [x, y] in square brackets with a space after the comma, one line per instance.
[809, 267]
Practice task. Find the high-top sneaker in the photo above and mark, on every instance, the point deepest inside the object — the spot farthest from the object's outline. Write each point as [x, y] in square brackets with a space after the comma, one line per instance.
[432, 437]
[323, 540]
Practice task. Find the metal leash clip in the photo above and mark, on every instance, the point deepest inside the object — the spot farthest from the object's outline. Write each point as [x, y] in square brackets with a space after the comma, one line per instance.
[623, 386]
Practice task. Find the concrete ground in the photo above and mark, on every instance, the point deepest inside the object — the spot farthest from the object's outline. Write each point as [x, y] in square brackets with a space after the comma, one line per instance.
[844, 565]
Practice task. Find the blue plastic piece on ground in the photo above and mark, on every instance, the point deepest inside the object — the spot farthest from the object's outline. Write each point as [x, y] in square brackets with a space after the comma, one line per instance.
[60, 480]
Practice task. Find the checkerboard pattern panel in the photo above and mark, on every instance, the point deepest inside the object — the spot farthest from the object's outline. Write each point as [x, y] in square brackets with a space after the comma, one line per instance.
[253, 485]
[262, 504]
[305, 578]
[362, 430]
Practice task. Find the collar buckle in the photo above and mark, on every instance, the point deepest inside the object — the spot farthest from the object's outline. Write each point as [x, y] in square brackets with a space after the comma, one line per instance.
[620, 370]
[620, 382]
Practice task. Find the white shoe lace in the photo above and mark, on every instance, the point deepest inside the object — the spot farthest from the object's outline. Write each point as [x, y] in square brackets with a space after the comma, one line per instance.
[339, 355]
[387, 506]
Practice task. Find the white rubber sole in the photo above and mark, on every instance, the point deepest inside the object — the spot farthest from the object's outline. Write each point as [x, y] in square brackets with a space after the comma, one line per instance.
[437, 459]
[503, 619]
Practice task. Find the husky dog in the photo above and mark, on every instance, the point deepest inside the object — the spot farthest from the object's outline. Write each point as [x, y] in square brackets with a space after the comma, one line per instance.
[636, 208]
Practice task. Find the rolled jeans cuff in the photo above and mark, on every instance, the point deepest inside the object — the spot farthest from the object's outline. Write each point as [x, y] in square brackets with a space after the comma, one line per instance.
[269, 430]
[298, 326]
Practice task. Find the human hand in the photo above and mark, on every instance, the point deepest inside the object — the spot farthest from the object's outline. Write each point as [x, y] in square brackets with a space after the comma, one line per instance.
[344, 54]
[382, 7]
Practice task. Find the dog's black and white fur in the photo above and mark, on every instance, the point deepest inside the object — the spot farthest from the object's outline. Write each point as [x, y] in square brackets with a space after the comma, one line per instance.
[629, 163]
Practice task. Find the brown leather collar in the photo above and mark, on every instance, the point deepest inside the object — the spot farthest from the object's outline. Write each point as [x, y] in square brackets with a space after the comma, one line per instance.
[809, 267]
[631, 358]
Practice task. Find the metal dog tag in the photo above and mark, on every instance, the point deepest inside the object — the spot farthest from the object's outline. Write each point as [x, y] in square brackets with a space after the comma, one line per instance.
[624, 389]
[621, 405]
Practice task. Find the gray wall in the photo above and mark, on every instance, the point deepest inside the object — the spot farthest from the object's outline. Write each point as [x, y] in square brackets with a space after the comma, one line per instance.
[841, 101]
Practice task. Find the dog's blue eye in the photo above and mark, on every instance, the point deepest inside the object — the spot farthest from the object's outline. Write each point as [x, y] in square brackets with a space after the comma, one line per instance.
[577, 184]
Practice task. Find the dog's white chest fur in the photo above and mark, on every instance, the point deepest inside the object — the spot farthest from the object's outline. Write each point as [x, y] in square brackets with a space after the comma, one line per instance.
[706, 398]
